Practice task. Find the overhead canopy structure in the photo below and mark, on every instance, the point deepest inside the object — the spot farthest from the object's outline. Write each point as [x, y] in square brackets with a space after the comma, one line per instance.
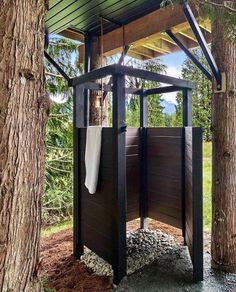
[141, 24]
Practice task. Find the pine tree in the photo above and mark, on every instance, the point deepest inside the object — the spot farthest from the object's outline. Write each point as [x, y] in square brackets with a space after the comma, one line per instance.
[201, 97]
[156, 117]
[57, 200]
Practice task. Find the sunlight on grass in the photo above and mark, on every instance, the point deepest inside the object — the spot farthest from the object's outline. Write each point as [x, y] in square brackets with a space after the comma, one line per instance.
[56, 228]
[207, 168]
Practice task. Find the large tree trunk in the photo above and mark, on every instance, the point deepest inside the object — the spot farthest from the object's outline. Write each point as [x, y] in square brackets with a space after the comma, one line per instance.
[224, 150]
[98, 107]
[23, 111]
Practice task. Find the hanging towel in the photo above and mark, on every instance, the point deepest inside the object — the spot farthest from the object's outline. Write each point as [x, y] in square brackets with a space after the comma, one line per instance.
[92, 157]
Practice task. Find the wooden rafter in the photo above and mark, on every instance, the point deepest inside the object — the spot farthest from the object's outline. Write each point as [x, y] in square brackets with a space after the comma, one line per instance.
[143, 51]
[189, 34]
[151, 46]
[205, 24]
[164, 46]
[72, 34]
[144, 29]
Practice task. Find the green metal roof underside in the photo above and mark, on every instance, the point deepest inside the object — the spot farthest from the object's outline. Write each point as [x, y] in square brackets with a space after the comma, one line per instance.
[84, 15]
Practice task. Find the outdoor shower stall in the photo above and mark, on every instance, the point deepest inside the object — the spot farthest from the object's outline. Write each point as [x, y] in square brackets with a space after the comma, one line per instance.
[144, 172]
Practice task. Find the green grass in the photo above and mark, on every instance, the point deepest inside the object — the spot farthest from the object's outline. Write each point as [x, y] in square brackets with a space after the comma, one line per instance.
[207, 148]
[207, 168]
[56, 228]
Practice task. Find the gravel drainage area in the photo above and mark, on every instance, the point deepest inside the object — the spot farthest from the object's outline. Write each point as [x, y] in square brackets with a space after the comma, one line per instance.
[172, 273]
[156, 262]
[143, 248]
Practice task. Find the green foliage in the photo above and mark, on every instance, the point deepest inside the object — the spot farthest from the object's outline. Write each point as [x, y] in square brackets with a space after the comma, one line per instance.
[201, 98]
[57, 201]
[207, 179]
[155, 109]
[45, 285]
[169, 120]
[56, 228]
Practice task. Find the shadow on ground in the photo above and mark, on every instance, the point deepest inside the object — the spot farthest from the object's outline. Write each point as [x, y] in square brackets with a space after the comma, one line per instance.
[173, 272]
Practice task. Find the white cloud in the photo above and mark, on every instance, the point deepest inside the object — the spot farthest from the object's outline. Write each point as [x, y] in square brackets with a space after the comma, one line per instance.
[170, 97]
[173, 72]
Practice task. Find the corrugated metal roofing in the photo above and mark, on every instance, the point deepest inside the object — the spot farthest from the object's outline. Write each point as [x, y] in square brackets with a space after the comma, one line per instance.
[84, 15]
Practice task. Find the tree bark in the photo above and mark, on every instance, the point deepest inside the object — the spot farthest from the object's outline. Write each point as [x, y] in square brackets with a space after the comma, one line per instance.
[98, 108]
[24, 107]
[224, 149]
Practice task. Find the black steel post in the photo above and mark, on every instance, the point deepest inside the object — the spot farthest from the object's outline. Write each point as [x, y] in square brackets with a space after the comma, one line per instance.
[197, 204]
[78, 248]
[143, 202]
[119, 128]
[87, 54]
[187, 122]
[187, 108]
[80, 120]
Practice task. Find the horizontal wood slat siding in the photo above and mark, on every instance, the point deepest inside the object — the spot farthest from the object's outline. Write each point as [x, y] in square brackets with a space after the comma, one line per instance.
[98, 210]
[132, 172]
[164, 174]
[193, 199]
[98, 213]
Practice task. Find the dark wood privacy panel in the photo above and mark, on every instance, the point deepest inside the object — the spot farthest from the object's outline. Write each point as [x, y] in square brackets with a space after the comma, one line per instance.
[98, 211]
[193, 199]
[165, 175]
[133, 173]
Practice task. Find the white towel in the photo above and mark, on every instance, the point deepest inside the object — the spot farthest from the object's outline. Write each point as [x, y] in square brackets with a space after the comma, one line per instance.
[92, 157]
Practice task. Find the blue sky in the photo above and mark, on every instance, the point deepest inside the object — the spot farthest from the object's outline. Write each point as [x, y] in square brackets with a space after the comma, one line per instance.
[174, 63]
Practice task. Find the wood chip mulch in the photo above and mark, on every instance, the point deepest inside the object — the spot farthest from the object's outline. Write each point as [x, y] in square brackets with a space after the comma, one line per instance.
[65, 274]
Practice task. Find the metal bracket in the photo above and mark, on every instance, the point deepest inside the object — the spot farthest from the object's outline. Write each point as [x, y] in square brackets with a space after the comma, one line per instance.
[189, 54]
[223, 84]
[46, 38]
[54, 64]
[202, 43]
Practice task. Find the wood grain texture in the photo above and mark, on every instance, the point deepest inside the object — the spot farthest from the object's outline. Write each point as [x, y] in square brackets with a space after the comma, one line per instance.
[24, 107]
[164, 175]
[99, 207]
[224, 146]
[133, 173]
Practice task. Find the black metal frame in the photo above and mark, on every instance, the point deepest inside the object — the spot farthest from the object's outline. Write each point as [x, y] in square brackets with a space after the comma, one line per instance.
[82, 84]
[189, 54]
[202, 43]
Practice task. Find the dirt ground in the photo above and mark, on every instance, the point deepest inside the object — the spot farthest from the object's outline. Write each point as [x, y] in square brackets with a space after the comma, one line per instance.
[65, 274]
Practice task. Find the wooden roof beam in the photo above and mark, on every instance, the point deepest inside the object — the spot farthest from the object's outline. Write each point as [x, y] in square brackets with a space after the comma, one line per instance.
[189, 34]
[146, 52]
[143, 29]
[151, 46]
[205, 24]
[166, 38]
[164, 46]
[189, 43]
[137, 56]
[73, 34]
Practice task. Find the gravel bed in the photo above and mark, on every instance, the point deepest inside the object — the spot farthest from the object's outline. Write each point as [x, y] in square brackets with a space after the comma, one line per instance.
[143, 247]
